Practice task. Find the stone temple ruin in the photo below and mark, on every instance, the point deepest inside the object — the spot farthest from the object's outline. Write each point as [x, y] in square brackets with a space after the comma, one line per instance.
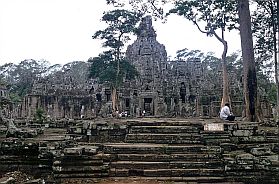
[163, 89]
[75, 146]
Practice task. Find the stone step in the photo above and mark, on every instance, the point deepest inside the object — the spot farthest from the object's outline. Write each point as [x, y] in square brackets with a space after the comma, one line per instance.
[164, 157]
[164, 138]
[165, 172]
[78, 162]
[23, 161]
[170, 122]
[164, 129]
[126, 148]
[180, 180]
[79, 169]
[216, 141]
[166, 165]
[81, 175]
[67, 158]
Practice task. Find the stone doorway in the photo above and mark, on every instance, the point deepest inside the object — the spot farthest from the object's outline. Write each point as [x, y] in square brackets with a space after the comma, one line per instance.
[148, 106]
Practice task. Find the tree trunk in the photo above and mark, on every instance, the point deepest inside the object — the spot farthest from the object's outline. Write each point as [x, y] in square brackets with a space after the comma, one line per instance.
[249, 71]
[226, 97]
[114, 100]
[277, 5]
[275, 30]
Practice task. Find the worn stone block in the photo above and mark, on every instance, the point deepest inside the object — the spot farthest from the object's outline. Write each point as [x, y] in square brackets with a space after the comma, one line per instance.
[261, 151]
[242, 133]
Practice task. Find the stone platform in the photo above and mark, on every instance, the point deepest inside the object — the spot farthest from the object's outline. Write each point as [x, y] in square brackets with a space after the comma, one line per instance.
[181, 150]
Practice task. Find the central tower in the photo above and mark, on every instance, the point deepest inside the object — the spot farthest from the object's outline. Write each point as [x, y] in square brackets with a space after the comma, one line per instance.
[150, 59]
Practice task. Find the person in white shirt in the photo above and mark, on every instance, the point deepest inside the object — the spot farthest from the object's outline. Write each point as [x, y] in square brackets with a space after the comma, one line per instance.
[226, 114]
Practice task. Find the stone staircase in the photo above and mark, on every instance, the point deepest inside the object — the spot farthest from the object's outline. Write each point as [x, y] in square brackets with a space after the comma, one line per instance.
[82, 161]
[166, 150]
[162, 149]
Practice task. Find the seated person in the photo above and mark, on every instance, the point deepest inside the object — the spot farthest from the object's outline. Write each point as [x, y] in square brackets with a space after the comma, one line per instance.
[225, 113]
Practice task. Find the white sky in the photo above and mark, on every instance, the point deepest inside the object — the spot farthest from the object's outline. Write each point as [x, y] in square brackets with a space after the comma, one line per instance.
[60, 31]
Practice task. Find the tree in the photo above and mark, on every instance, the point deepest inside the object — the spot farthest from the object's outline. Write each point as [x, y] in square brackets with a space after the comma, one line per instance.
[226, 11]
[265, 27]
[39, 116]
[21, 77]
[249, 71]
[216, 15]
[111, 66]
[143, 7]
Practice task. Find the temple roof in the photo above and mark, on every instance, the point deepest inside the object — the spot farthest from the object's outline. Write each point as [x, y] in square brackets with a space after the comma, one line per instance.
[145, 28]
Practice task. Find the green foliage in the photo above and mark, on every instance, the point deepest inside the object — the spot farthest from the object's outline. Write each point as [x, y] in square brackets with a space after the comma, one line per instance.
[144, 7]
[215, 14]
[104, 68]
[15, 98]
[120, 22]
[271, 94]
[20, 77]
[264, 26]
[111, 66]
[39, 116]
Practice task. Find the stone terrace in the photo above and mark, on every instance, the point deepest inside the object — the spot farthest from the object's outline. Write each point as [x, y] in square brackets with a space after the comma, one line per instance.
[178, 150]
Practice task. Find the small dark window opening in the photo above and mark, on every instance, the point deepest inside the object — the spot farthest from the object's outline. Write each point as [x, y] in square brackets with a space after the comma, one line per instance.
[108, 97]
[135, 93]
[99, 97]
[91, 91]
[192, 98]
[183, 92]
[175, 100]
[127, 102]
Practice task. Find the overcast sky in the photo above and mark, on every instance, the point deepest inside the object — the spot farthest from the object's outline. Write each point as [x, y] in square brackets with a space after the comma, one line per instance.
[60, 31]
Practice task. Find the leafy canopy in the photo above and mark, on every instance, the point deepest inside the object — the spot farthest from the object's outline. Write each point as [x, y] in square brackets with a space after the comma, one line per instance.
[105, 68]
[216, 14]
[111, 66]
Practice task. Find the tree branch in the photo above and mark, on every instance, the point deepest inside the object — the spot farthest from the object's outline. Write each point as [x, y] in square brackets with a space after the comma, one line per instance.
[206, 32]
[154, 6]
[217, 36]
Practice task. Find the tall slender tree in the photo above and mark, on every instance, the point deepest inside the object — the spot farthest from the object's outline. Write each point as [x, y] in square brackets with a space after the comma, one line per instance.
[249, 71]
[265, 28]
[216, 15]
[111, 66]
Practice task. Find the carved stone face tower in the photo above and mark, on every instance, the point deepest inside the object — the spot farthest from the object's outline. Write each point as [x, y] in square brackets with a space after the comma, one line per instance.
[150, 59]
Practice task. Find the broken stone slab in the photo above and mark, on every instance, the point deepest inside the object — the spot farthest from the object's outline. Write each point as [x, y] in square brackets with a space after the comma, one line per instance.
[245, 159]
[242, 133]
[81, 150]
[228, 147]
[35, 181]
[7, 180]
[73, 151]
[247, 125]
[261, 151]
[90, 150]
[274, 157]
[214, 127]
[252, 139]
[236, 167]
